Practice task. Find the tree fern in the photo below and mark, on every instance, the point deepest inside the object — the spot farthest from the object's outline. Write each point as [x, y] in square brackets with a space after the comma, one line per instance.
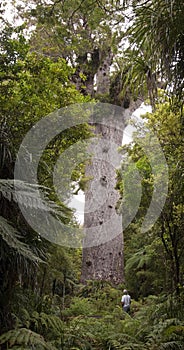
[47, 325]
[27, 194]
[12, 238]
[24, 337]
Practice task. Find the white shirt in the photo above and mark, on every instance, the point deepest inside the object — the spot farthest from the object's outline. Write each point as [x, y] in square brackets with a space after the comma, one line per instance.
[126, 300]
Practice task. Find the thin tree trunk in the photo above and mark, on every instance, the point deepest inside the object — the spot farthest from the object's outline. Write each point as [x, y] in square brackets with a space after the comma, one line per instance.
[43, 281]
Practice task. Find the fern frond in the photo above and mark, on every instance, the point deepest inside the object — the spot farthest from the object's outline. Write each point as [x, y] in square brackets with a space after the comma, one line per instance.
[12, 238]
[172, 345]
[27, 194]
[46, 323]
[52, 322]
[24, 337]
[123, 341]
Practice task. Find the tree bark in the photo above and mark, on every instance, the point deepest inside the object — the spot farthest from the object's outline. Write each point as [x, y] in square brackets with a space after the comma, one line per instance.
[103, 244]
[103, 73]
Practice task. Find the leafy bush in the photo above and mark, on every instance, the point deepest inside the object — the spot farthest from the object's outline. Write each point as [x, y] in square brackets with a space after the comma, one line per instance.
[79, 307]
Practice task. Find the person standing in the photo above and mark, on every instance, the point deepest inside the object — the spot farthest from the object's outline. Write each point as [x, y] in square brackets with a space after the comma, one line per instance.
[126, 301]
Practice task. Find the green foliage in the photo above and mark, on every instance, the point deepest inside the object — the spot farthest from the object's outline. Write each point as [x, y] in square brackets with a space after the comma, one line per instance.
[43, 306]
[83, 24]
[153, 324]
[26, 194]
[31, 95]
[161, 249]
[31, 86]
[12, 238]
[49, 326]
[163, 25]
[80, 307]
[24, 339]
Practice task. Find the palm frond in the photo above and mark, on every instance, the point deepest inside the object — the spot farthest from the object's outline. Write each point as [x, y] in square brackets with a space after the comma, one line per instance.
[160, 24]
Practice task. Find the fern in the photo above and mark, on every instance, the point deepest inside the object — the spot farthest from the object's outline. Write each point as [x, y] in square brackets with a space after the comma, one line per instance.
[27, 194]
[76, 342]
[24, 337]
[173, 345]
[123, 341]
[47, 324]
[12, 238]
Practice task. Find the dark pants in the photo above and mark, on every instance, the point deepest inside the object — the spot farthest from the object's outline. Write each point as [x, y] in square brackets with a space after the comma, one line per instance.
[126, 308]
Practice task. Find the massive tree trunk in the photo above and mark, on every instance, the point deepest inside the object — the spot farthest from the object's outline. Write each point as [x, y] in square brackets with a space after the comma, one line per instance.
[103, 243]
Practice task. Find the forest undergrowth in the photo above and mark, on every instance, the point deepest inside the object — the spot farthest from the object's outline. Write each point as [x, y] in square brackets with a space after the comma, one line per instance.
[92, 318]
